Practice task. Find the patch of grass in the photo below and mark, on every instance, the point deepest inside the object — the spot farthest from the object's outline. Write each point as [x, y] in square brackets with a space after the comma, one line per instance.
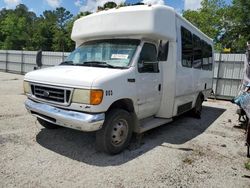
[247, 165]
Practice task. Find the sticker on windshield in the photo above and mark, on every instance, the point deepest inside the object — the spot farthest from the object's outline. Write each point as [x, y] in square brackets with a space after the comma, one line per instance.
[119, 56]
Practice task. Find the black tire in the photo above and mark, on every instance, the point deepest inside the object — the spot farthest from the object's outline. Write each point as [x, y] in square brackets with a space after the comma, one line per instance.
[116, 132]
[196, 111]
[47, 125]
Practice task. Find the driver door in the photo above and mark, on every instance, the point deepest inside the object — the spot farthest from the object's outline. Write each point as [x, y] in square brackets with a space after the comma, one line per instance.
[148, 82]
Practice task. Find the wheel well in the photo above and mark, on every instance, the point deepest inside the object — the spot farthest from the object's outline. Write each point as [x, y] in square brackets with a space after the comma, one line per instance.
[126, 104]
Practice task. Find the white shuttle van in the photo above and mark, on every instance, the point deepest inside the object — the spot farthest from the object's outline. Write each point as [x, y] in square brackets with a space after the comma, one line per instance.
[134, 68]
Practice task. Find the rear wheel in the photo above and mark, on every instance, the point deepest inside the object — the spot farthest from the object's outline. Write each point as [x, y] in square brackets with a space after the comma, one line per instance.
[115, 133]
[47, 124]
[196, 111]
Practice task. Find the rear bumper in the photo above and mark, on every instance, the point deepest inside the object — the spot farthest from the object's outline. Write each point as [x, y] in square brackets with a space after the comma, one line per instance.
[66, 118]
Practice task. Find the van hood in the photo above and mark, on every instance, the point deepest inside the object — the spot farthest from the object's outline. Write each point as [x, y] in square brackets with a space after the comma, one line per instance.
[70, 76]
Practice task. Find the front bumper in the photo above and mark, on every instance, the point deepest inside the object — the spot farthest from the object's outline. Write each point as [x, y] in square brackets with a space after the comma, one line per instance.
[66, 118]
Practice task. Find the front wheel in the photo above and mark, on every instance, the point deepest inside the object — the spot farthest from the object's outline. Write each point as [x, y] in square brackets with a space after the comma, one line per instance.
[196, 111]
[115, 133]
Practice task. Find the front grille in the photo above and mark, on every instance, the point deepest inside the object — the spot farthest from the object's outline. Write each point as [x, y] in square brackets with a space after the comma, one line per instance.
[51, 94]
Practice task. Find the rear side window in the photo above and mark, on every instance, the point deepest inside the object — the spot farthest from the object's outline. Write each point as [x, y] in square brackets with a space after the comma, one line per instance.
[206, 56]
[187, 47]
[210, 52]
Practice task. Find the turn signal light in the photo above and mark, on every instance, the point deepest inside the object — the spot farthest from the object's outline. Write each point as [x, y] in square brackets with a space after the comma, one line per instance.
[96, 97]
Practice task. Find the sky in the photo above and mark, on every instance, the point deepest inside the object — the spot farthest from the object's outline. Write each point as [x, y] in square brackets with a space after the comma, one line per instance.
[76, 6]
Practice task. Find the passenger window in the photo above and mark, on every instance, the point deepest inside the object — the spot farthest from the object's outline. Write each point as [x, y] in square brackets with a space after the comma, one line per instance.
[148, 59]
[206, 56]
[197, 48]
[196, 53]
[210, 57]
[187, 47]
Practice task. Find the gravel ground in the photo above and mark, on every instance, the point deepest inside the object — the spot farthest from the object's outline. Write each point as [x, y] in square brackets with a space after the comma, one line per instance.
[209, 152]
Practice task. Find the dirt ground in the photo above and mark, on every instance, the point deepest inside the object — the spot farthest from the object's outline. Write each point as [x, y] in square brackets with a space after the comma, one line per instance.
[188, 152]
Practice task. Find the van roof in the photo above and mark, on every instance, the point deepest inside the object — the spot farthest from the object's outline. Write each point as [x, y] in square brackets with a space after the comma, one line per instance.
[140, 21]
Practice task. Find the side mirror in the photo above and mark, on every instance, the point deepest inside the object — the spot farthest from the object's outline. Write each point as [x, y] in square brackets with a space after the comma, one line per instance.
[146, 66]
[39, 58]
[163, 51]
[140, 65]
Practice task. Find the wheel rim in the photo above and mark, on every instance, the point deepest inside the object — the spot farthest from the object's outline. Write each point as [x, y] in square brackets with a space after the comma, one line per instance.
[119, 132]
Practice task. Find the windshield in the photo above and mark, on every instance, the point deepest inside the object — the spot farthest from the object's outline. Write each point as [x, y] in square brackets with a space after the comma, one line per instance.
[115, 53]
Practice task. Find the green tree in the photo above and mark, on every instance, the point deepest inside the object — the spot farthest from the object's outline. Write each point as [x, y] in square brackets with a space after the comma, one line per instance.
[238, 26]
[81, 14]
[61, 35]
[16, 28]
[22, 29]
[210, 19]
[109, 5]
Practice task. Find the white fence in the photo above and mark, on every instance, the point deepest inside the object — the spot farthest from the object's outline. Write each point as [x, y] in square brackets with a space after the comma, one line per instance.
[228, 75]
[25, 61]
[228, 69]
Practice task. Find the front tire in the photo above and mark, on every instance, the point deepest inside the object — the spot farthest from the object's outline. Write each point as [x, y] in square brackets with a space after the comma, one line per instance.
[47, 124]
[116, 132]
[196, 111]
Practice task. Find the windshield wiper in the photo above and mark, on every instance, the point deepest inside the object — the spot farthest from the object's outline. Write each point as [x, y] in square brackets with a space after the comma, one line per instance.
[92, 64]
[67, 63]
[100, 64]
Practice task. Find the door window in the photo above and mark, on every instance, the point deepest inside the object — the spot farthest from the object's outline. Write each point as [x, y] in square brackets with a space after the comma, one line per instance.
[148, 59]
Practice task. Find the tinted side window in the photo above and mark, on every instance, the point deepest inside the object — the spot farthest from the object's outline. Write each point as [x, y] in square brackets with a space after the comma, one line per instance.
[148, 59]
[206, 56]
[187, 47]
[197, 49]
[210, 52]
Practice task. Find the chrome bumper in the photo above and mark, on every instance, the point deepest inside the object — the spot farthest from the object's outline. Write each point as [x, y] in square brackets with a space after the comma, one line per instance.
[66, 118]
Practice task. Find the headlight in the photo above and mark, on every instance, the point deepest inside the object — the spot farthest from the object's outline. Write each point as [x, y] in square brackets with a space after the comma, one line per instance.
[81, 96]
[93, 97]
[26, 87]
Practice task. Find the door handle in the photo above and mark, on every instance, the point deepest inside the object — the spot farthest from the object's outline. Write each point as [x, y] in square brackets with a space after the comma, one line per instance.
[131, 79]
[159, 87]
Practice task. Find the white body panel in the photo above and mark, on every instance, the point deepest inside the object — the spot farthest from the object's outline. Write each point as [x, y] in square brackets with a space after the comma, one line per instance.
[136, 21]
[189, 81]
[169, 83]
[148, 95]
[89, 78]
